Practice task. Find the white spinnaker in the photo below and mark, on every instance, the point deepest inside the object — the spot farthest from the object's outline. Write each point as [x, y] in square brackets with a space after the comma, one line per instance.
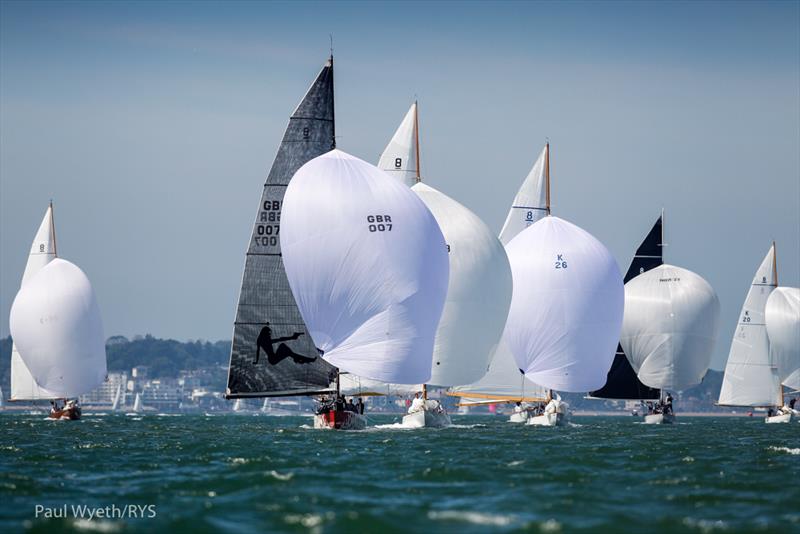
[782, 315]
[56, 324]
[530, 204]
[367, 265]
[751, 378]
[478, 293]
[43, 250]
[567, 305]
[670, 325]
[503, 381]
[399, 159]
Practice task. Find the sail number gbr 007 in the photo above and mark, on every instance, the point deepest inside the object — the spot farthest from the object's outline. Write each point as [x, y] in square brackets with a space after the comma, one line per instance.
[269, 224]
[379, 223]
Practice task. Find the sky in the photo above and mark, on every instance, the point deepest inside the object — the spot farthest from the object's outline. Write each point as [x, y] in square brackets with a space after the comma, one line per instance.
[152, 126]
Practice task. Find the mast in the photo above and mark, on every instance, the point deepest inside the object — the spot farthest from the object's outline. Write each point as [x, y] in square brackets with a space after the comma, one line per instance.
[775, 280]
[416, 137]
[53, 229]
[547, 175]
[424, 391]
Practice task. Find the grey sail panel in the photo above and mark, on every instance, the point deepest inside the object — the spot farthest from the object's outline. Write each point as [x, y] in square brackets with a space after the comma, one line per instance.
[621, 381]
[272, 352]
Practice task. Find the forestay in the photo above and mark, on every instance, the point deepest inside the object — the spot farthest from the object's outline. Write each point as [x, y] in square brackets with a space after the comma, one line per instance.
[272, 352]
[782, 315]
[367, 265]
[400, 159]
[478, 293]
[751, 378]
[670, 326]
[43, 251]
[567, 304]
[56, 324]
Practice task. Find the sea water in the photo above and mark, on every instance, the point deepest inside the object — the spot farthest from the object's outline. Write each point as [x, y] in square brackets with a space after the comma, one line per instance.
[249, 473]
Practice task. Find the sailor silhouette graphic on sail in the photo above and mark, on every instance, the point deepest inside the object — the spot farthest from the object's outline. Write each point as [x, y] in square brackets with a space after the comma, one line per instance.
[266, 342]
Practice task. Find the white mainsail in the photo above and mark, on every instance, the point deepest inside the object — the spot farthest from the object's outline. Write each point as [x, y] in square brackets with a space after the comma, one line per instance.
[782, 316]
[669, 328]
[504, 380]
[751, 378]
[43, 250]
[137, 403]
[367, 265]
[117, 396]
[479, 290]
[532, 200]
[56, 324]
[400, 158]
[566, 310]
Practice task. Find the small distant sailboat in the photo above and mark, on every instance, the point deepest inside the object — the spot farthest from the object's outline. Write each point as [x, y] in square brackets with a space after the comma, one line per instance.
[371, 281]
[137, 404]
[566, 310]
[669, 328]
[238, 406]
[59, 349]
[504, 382]
[752, 377]
[782, 316]
[479, 288]
[117, 397]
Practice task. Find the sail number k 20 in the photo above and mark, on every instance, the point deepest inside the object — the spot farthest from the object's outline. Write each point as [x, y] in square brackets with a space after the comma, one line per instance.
[379, 223]
[269, 224]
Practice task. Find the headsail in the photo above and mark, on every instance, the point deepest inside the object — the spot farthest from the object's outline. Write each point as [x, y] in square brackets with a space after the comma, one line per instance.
[751, 378]
[783, 330]
[117, 396]
[43, 251]
[400, 158]
[56, 324]
[566, 310]
[368, 266]
[670, 326]
[622, 382]
[272, 352]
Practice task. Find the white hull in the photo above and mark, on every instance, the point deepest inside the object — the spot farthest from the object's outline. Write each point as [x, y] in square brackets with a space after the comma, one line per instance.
[426, 419]
[548, 419]
[343, 421]
[519, 417]
[659, 419]
[782, 418]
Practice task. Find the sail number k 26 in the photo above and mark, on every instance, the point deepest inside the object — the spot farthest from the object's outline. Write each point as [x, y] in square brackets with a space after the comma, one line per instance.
[379, 223]
[269, 224]
[561, 263]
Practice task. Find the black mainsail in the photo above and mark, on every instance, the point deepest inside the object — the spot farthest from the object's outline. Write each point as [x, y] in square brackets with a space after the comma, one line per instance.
[272, 352]
[622, 382]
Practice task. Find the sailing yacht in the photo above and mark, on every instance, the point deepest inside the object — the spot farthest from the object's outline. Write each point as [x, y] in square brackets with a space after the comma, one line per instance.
[752, 377]
[566, 310]
[60, 359]
[273, 354]
[669, 328]
[504, 382]
[479, 287]
[782, 317]
[371, 282]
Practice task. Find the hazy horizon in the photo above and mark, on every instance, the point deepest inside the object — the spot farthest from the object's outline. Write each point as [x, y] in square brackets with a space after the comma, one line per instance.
[152, 126]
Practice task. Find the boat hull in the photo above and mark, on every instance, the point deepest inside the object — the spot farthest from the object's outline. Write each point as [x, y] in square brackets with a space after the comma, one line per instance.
[659, 419]
[782, 418]
[519, 417]
[548, 419]
[426, 419]
[72, 413]
[340, 421]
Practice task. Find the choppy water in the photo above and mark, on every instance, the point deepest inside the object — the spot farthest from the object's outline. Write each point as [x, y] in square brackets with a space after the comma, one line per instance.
[255, 474]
